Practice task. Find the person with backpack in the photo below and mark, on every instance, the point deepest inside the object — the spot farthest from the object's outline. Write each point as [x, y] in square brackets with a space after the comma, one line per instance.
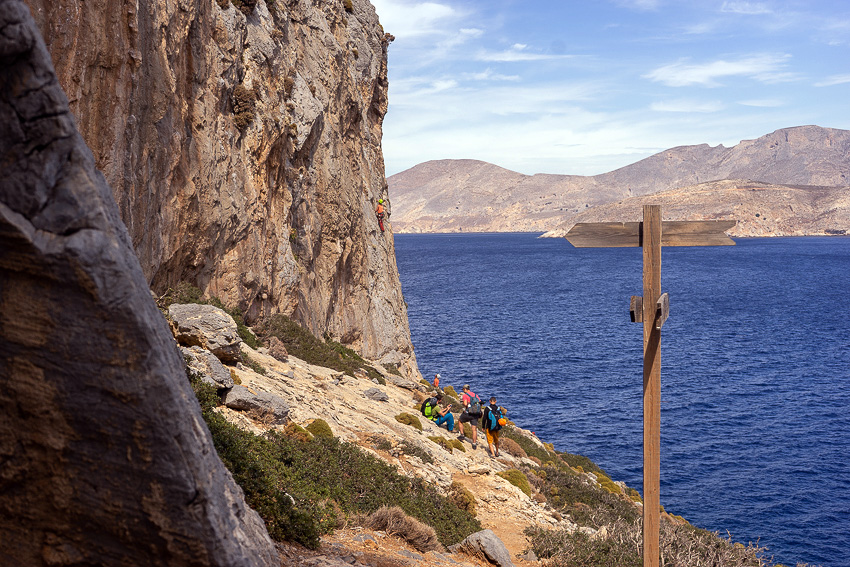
[471, 414]
[492, 422]
[431, 410]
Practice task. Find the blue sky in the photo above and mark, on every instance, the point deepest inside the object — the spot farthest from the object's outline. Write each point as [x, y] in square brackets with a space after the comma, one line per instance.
[585, 87]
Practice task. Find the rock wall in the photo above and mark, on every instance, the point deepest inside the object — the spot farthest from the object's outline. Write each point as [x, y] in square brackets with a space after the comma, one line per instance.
[104, 456]
[242, 145]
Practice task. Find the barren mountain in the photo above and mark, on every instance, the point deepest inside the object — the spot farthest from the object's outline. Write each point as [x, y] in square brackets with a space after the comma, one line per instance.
[761, 209]
[468, 195]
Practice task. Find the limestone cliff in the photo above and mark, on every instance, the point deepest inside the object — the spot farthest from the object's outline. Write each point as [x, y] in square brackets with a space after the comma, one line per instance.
[242, 144]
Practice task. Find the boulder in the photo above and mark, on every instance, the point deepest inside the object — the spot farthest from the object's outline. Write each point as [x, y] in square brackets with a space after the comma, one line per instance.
[105, 458]
[208, 327]
[376, 394]
[486, 545]
[208, 365]
[277, 350]
[264, 406]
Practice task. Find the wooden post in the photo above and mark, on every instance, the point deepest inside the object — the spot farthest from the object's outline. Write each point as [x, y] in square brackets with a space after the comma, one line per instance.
[651, 385]
[652, 310]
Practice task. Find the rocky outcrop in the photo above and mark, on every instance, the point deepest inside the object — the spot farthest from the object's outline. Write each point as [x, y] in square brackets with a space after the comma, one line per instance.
[486, 545]
[105, 458]
[208, 327]
[243, 149]
[468, 195]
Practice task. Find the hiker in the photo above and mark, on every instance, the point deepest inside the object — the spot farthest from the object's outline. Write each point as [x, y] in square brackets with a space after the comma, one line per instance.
[471, 414]
[492, 422]
[437, 382]
[431, 409]
[379, 212]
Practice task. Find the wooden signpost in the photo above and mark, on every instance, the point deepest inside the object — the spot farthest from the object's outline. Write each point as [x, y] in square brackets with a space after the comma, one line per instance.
[652, 310]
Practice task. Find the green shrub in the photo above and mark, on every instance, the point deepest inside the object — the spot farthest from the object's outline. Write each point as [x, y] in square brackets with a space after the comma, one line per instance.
[295, 431]
[409, 419]
[462, 497]
[442, 442]
[456, 444]
[588, 504]
[301, 486]
[392, 369]
[577, 461]
[253, 364]
[301, 343]
[412, 449]
[349, 7]
[320, 428]
[449, 391]
[530, 447]
[243, 100]
[607, 483]
[517, 478]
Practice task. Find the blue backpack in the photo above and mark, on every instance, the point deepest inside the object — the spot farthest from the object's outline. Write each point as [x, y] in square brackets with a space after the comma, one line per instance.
[493, 417]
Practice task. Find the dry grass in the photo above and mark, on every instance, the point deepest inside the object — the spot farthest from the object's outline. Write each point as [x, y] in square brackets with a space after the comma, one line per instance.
[619, 543]
[394, 521]
[511, 447]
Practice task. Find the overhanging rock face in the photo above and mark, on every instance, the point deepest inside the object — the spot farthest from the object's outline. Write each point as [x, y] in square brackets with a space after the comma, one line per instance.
[104, 457]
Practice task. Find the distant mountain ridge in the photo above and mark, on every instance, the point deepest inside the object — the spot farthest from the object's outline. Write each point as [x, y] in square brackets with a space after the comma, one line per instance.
[475, 196]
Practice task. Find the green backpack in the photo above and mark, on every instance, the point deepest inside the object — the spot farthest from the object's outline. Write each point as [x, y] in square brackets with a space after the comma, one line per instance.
[429, 408]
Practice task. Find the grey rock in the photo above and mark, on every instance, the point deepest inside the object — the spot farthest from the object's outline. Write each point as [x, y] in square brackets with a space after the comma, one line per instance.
[208, 365]
[263, 404]
[403, 382]
[277, 350]
[411, 555]
[208, 327]
[376, 394]
[486, 545]
[106, 460]
[529, 556]
[361, 538]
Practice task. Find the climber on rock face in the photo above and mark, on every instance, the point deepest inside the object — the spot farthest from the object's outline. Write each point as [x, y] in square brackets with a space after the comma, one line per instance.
[379, 212]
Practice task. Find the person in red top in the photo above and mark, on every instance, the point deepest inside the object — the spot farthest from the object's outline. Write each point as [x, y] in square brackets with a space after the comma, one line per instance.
[471, 414]
[379, 212]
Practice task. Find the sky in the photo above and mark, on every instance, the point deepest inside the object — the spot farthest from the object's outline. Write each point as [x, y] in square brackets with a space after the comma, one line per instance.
[585, 87]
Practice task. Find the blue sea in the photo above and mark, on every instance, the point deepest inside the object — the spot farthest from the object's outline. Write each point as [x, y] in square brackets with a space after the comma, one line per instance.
[755, 368]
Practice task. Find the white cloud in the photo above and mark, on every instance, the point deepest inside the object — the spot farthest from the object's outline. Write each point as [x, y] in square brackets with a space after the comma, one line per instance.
[645, 5]
[765, 68]
[489, 75]
[406, 19]
[746, 8]
[513, 55]
[762, 103]
[834, 80]
[685, 105]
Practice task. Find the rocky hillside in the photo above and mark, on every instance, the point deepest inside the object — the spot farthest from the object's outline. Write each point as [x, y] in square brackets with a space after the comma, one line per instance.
[760, 209]
[241, 140]
[466, 195]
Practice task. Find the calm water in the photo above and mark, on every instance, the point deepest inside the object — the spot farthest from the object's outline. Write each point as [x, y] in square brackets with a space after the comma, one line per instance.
[755, 432]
